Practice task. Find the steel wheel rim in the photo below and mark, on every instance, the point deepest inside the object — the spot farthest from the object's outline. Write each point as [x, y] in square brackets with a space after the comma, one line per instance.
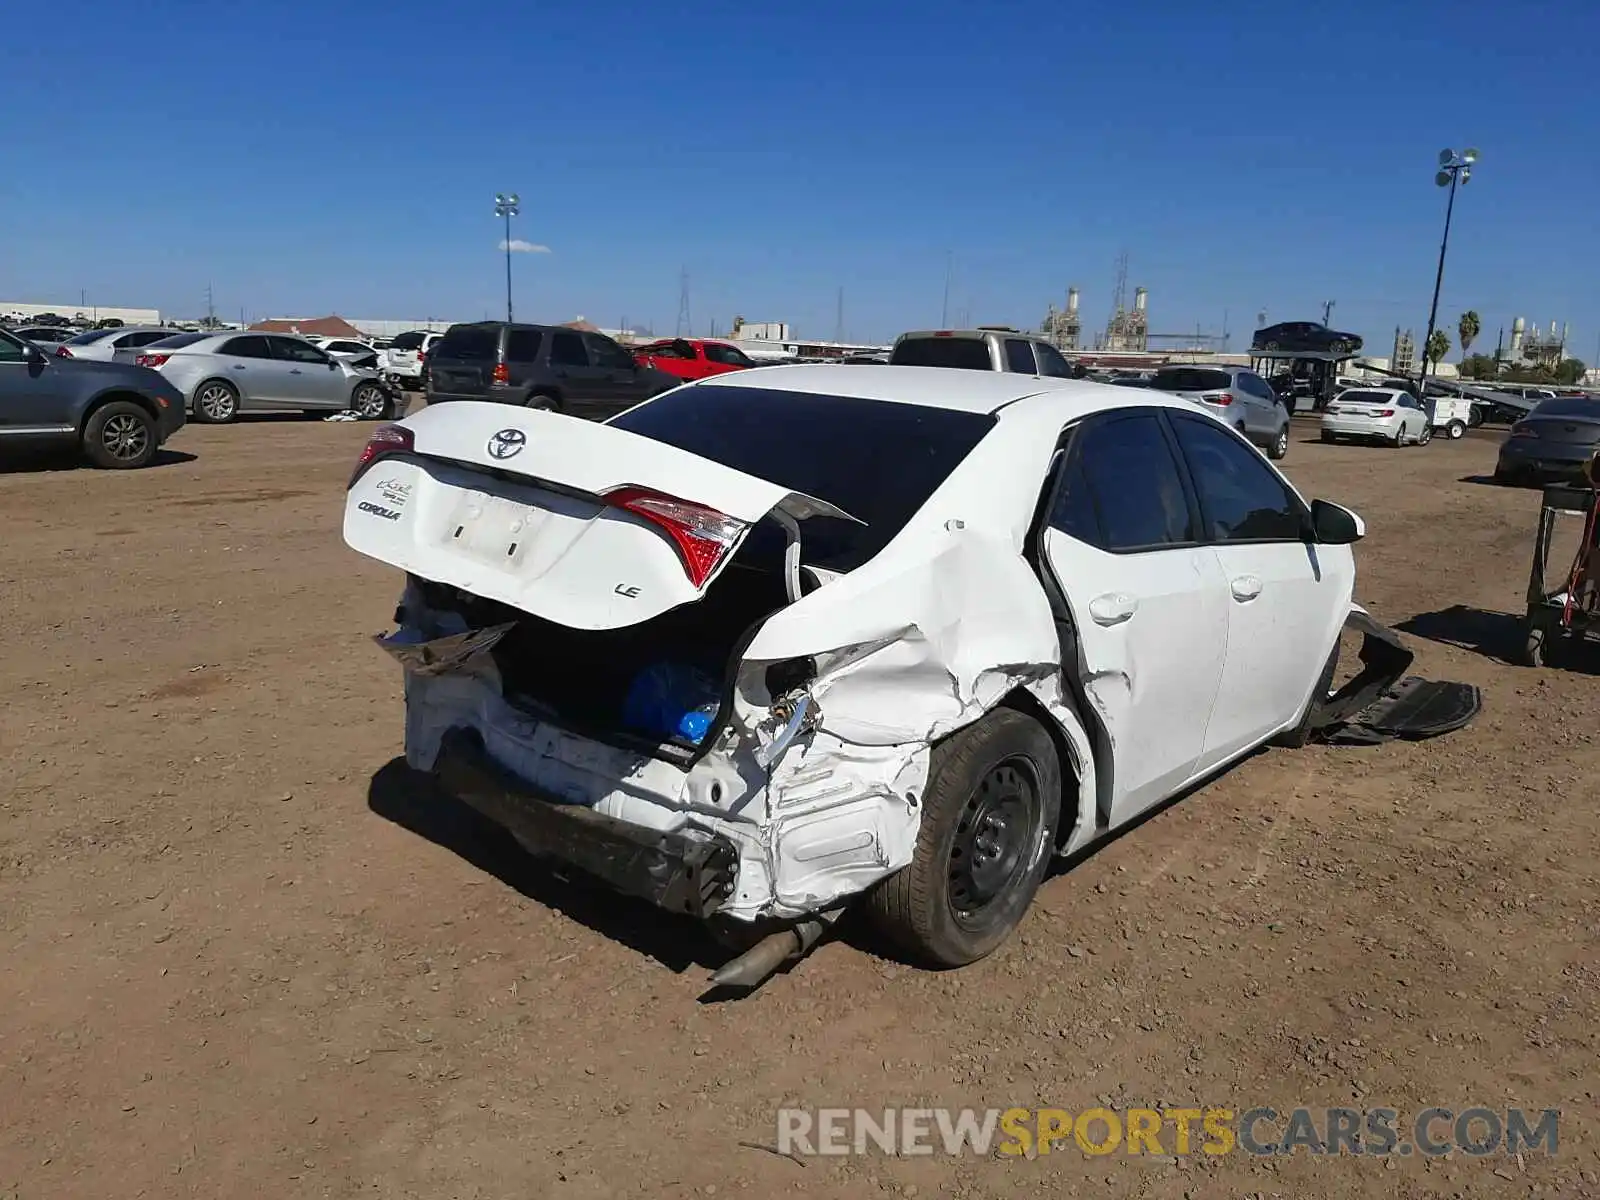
[369, 401]
[994, 845]
[124, 437]
[1282, 447]
[216, 402]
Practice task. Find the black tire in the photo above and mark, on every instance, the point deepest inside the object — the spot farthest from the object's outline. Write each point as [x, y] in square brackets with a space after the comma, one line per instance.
[989, 820]
[1280, 446]
[1399, 438]
[1426, 435]
[1328, 437]
[216, 402]
[542, 401]
[1538, 650]
[1456, 430]
[120, 436]
[370, 402]
[1294, 739]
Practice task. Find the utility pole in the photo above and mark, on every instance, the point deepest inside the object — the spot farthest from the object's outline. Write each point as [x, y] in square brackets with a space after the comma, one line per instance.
[1452, 171]
[685, 325]
[838, 322]
[1327, 312]
[507, 207]
[944, 313]
[211, 309]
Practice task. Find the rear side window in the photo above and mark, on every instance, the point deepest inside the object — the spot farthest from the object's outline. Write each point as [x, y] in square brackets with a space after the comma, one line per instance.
[1241, 498]
[476, 342]
[1191, 379]
[566, 350]
[246, 347]
[522, 345]
[179, 340]
[1051, 363]
[1122, 486]
[970, 354]
[1019, 357]
[830, 447]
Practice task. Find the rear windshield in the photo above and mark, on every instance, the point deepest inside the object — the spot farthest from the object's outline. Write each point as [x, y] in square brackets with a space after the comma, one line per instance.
[1571, 406]
[832, 447]
[92, 336]
[1190, 379]
[407, 341]
[1364, 398]
[970, 354]
[177, 340]
[468, 341]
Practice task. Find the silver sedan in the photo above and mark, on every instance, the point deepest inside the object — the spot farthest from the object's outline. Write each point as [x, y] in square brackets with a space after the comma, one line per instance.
[225, 374]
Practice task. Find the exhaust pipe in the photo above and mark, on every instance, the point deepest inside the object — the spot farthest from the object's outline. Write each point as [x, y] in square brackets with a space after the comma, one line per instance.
[756, 965]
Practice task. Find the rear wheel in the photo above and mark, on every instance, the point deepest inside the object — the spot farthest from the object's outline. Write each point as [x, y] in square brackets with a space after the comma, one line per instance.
[541, 400]
[216, 403]
[1456, 429]
[1426, 435]
[1280, 445]
[1399, 438]
[989, 820]
[120, 436]
[1328, 437]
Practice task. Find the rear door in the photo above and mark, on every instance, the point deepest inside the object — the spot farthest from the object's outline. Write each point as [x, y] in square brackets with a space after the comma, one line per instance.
[1285, 598]
[587, 390]
[263, 381]
[1148, 608]
[1261, 409]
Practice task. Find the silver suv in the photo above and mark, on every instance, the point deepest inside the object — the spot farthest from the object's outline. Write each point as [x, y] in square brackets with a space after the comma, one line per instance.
[1240, 397]
[987, 348]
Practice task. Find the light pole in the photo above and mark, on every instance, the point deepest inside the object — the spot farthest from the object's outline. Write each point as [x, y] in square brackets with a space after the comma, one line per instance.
[507, 206]
[1452, 170]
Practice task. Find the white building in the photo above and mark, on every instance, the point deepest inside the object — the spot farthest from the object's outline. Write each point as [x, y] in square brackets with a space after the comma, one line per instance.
[22, 311]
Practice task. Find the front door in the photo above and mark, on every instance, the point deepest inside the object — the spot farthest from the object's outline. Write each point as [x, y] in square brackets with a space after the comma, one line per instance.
[628, 384]
[33, 395]
[1286, 598]
[587, 390]
[311, 378]
[1148, 603]
[247, 363]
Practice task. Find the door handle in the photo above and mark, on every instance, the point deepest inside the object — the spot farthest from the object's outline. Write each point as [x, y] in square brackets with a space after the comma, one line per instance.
[294, 370]
[238, 366]
[1113, 608]
[1245, 587]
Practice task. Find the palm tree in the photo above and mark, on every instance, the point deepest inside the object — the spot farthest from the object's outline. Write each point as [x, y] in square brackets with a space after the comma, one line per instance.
[1438, 346]
[1469, 329]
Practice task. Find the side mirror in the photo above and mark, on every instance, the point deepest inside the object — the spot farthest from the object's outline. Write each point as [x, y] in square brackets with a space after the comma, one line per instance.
[1334, 525]
[37, 357]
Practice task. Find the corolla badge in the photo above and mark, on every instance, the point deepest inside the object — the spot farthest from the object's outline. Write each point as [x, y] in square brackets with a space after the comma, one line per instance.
[507, 443]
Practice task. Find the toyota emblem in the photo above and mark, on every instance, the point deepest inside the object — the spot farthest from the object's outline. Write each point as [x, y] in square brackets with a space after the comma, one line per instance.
[508, 443]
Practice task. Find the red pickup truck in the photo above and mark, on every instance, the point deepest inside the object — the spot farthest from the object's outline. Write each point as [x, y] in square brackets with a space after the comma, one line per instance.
[692, 358]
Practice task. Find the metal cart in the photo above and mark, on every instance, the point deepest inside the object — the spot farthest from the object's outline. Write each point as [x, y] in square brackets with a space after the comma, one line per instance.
[1568, 612]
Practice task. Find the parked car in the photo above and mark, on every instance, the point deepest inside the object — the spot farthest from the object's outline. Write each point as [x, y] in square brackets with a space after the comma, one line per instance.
[1552, 443]
[1387, 415]
[980, 350]
[713, 653]
[692, 358]
[45, 335]
[1239, 397]
[104, 343]
[224, 374]
[117, 414]
[540, 366]
[357, 354]
[407, 356]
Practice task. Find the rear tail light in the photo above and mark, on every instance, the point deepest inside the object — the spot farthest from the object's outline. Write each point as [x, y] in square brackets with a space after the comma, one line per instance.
[150, 360]
[703, 536]
[1388, 412]
[1221, 398]
[63, 352]
[385, 442]
[502, 373]
[1524, 431]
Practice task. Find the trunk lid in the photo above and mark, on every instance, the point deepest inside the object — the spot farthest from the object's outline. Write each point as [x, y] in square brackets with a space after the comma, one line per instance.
[525, 507]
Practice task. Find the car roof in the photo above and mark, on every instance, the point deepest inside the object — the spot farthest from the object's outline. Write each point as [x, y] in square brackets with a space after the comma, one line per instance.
[975, 332]
[949, 388]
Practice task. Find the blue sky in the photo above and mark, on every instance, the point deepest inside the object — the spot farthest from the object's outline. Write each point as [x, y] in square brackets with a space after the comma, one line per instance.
[1248, 156]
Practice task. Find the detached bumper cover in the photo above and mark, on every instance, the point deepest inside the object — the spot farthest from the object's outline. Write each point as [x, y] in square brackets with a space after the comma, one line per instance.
[683, 872]
[1382, 702]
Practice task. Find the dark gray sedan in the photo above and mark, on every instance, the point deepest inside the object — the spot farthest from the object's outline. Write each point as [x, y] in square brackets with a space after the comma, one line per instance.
[117, 414]
[1552, 443]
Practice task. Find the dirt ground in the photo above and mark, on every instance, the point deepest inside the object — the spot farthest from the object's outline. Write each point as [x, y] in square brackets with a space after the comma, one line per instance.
[247, 955]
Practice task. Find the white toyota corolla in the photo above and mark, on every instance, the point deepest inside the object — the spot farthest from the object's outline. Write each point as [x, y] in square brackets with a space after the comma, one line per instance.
[779, 640]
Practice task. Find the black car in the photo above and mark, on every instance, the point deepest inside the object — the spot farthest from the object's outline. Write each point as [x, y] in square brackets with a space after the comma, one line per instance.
[1552, 443]
[118, 414]
[1306, 336]
[540, 366]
